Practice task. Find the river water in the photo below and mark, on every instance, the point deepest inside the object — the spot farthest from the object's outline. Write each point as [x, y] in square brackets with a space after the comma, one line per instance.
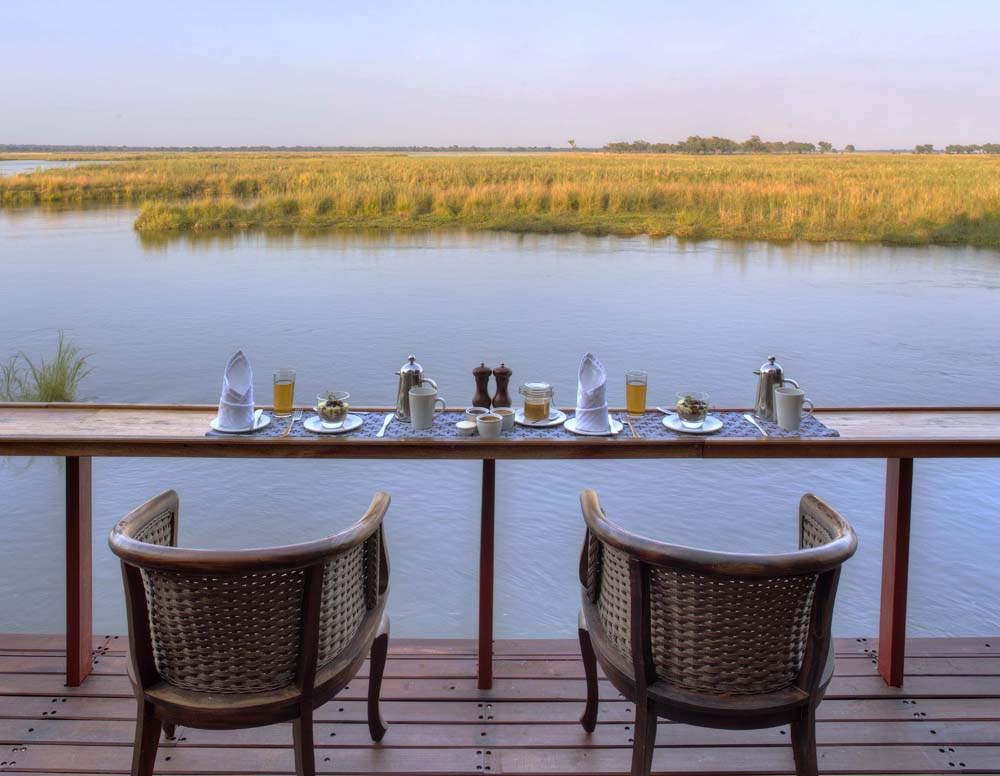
[856, 325]
[19, 166]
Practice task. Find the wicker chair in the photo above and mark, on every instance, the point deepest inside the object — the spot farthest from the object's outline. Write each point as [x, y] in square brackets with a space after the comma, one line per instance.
[238, 639]
[708, 638]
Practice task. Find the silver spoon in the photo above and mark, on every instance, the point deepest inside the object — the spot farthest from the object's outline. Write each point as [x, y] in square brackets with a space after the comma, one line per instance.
[753, 421]
[385, 424]
[296, 416]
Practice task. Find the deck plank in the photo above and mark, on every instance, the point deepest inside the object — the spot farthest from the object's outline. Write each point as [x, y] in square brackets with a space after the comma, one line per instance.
[945, 720]
[435, 688]
[422, 735]
[412, 667]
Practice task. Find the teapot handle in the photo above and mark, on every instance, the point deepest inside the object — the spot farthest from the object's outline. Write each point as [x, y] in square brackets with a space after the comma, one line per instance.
[793, 382]
[434, 385]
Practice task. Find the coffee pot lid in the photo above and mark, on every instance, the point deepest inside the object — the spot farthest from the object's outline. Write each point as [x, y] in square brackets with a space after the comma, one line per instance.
[411, 365]
[770, 366]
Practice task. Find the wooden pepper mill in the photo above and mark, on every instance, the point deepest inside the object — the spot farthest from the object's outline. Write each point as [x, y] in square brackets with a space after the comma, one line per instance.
[502, 374]
[482, 396]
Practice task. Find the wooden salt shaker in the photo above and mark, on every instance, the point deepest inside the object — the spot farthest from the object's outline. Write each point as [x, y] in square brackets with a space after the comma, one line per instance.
[482, 396]
[502, 374]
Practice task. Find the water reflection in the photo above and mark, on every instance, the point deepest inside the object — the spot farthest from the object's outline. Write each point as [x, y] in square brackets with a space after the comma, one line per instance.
[856, 324]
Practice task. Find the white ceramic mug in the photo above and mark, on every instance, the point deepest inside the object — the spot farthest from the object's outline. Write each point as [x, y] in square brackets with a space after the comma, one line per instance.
[788, 406]
[423, 405]
[489, 426]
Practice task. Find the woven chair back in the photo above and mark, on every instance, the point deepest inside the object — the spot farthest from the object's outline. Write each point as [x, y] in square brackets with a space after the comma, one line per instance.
[221, 623]
[718, 623]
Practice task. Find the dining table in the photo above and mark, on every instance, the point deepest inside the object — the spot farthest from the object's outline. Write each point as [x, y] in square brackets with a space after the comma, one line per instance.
[80, 432]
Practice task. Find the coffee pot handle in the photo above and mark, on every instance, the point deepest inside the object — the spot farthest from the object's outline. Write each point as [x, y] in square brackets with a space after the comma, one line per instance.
[787, 380]
[434, 385]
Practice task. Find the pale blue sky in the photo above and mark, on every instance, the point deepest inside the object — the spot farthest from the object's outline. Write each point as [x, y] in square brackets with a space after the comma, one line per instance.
[876, 74]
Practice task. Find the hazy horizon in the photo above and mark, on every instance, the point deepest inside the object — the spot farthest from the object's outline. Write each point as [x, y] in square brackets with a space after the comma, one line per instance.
[877, 75]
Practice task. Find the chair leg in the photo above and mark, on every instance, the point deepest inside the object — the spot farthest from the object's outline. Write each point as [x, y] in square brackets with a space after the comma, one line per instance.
[644, 738]
[804, 743]
[380, 649]
[589, 717]
[302, 738]
[169, 730]
[147, 739]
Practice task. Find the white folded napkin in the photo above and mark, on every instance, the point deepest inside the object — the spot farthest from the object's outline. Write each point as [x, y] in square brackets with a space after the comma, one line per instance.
[236, 402]
[591, 396]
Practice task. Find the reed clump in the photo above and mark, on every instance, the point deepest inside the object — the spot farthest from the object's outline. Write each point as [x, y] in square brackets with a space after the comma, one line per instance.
[898, 198]
[55, 380]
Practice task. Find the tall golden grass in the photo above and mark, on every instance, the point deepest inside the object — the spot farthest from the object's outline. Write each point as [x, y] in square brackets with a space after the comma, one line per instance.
[898, 198]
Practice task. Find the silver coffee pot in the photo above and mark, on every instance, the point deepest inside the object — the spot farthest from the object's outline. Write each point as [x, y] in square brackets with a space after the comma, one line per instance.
[771, 375]
[411, 374]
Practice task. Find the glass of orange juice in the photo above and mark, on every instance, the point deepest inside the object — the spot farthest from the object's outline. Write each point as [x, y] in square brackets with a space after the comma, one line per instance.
[635, 392]
[284, 392]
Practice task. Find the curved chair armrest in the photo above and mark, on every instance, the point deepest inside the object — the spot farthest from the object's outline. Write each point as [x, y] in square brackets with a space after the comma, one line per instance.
[820, 524]
[138, 521]
[807, 561]
[240, 561]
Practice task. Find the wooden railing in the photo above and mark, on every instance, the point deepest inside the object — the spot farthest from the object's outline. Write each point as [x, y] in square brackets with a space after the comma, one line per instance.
[83, 431]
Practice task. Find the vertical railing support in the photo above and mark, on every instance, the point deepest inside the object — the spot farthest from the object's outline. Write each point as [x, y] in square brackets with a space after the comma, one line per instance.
[79, 571]
[895, 569]
[486, 530]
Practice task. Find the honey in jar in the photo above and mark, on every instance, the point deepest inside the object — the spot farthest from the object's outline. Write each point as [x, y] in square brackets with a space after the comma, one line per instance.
[537, 401]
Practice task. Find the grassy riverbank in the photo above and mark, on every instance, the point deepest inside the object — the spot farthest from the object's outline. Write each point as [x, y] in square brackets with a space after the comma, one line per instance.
[892, 198]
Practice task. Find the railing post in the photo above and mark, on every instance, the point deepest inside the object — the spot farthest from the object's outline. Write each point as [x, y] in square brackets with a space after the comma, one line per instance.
[895, 569]
[79, 573]
[486, 575]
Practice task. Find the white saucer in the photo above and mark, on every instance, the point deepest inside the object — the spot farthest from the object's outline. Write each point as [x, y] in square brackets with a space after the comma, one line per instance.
[710, 426]
[315, 425]
[615, 424]
[262, 422]
[556, 417]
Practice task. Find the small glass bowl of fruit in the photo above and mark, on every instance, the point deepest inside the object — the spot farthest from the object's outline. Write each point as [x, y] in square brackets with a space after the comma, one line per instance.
[332, 408]
[692, 408]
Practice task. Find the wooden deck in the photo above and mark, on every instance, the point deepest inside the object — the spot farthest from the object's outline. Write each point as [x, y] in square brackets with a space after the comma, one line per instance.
[946, 720]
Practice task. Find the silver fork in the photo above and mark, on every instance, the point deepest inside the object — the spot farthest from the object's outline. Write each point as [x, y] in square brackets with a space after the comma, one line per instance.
[296, 416]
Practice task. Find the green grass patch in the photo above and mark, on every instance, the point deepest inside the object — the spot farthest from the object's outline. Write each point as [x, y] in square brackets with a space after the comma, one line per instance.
[893, 198]
[47, 380]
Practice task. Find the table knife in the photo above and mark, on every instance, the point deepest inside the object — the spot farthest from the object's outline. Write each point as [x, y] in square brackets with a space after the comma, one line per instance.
[385, 424]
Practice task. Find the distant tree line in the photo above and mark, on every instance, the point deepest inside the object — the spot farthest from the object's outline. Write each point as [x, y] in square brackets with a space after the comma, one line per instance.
[985, 148]
[722, 145]
[693, 145]
[44, 148]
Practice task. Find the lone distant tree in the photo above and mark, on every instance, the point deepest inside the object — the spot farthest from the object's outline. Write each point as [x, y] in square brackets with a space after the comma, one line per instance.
[849, 148]
[572, 144]
[825, 146]
[928, 148]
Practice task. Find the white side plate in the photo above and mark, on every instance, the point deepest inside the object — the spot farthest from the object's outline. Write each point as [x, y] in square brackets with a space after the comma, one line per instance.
[555, 418]
[315, 425]
[262, 422]
[615, 424]
[710, 426]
